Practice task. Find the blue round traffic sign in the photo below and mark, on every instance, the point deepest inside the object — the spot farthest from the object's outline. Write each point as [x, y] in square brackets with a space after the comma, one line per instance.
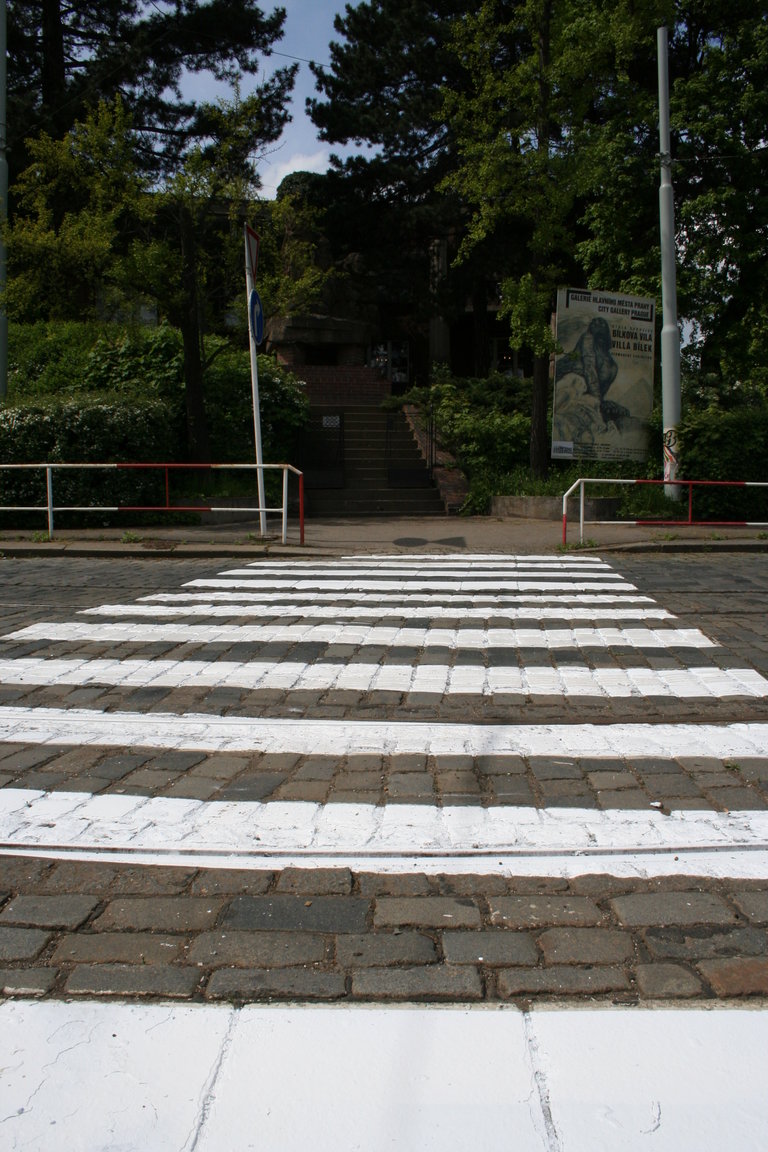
[256, 316]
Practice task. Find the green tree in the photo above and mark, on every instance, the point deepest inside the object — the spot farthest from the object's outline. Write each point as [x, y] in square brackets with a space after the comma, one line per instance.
[91, 236]
[79, 206]
[513, 123]
[383, 88]
[64, 58]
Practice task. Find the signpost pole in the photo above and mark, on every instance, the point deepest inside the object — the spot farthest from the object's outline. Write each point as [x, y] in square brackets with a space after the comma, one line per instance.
[251, 262]
[670, 335]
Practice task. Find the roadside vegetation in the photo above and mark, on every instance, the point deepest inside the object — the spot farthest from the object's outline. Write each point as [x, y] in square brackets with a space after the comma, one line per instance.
[507, 148]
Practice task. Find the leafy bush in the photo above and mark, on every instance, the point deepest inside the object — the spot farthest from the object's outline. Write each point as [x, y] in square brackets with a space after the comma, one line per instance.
[106, 393]
[137, 362]
[717, 444]
[48, 358]
[283, 405]
[100, 430]
[484, 424]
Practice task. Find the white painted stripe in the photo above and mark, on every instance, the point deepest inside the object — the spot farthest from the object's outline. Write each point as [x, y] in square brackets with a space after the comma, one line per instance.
[442, 560]
[459, 585]
[502, 557]
[417, 571]
[352, 737]
[208, 1077]
[470, 639]
[366, 611]
[420, 599]
[568, 680]
[396, 837]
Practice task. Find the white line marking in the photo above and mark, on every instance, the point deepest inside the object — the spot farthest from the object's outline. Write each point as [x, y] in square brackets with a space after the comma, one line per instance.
[439, 562]
[300, 583]
[421, 599]
[374, 612]
[419, 571]
[397, 837]
[565, 680]
[464, 558]
[353, 737]
[472, 639]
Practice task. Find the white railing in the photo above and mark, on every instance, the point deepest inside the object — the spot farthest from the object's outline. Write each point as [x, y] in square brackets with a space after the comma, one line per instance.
[689, 522]
[50, 507]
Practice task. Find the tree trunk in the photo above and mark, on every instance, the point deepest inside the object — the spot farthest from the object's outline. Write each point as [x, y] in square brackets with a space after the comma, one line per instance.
[198, 444]
[539, 408]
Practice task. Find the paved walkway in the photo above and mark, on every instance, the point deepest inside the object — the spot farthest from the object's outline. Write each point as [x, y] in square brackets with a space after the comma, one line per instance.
[473, 534]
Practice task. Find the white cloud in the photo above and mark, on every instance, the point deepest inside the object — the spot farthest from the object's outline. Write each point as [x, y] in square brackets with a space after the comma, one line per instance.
[273, 172]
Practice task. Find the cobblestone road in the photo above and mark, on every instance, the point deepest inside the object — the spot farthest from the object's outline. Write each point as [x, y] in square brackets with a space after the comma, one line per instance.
[454, 778]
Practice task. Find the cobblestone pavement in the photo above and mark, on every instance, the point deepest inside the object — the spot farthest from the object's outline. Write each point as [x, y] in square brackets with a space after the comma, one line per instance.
[437, 778]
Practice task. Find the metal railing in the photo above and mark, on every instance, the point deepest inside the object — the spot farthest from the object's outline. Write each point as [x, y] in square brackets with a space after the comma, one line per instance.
[50, 507]
[689, 522]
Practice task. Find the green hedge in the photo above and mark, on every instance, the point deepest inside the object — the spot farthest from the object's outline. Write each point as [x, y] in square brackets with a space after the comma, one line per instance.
[732, 444]
[107, 393]
[80, 431]
[283, 405]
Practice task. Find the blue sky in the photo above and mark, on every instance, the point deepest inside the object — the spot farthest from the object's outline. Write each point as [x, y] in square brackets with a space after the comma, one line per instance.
[308, 31]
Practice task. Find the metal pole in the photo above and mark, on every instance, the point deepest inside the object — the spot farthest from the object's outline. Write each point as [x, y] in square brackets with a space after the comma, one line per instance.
[249, 285]
[670, 334]
[3, 198]
[49, 494]
[285, 506]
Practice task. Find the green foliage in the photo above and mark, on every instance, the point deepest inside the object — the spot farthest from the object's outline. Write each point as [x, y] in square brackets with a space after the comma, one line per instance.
[726, 445]
[137, 362]
[98, 430]
[299, 275]
[64, 58]
[484, 424]
[72, 376]
[75, 209]
[283, 405]
[66, 361]
[528, 307]
[48, 357]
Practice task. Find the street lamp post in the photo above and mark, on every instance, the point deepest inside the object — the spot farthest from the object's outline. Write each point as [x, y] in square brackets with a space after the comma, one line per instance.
[670, 335]
[3, 199]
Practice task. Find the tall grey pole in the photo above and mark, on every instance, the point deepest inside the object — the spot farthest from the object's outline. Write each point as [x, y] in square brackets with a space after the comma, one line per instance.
[3, 199]
[670, 335]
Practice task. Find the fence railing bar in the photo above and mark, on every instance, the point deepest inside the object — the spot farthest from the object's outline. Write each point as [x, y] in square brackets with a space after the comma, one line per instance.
[50, 507]
[581, 483]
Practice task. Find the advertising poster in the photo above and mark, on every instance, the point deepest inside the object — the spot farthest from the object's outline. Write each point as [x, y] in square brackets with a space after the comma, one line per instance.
[603, 393]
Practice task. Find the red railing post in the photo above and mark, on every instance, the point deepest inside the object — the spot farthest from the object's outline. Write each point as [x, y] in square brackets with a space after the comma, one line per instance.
[301, 508]
[690, 503]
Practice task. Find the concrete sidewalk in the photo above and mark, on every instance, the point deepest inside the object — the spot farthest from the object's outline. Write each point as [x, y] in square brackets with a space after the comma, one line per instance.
[334, 537]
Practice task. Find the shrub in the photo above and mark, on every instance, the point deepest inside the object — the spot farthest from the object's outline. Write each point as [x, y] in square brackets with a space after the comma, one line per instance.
[103, 430]
[283, 405]
[717, 444]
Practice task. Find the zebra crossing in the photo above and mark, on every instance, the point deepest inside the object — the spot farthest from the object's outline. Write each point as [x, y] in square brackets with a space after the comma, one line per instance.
[243, 817]
[458, 662]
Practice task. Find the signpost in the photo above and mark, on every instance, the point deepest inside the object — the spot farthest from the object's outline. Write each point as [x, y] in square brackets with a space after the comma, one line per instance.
[255, 336]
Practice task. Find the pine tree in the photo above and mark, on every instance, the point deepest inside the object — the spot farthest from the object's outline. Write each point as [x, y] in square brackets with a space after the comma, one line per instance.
[64, 58]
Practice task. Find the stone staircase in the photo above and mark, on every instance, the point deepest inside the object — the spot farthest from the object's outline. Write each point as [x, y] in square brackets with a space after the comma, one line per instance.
[362, 461]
